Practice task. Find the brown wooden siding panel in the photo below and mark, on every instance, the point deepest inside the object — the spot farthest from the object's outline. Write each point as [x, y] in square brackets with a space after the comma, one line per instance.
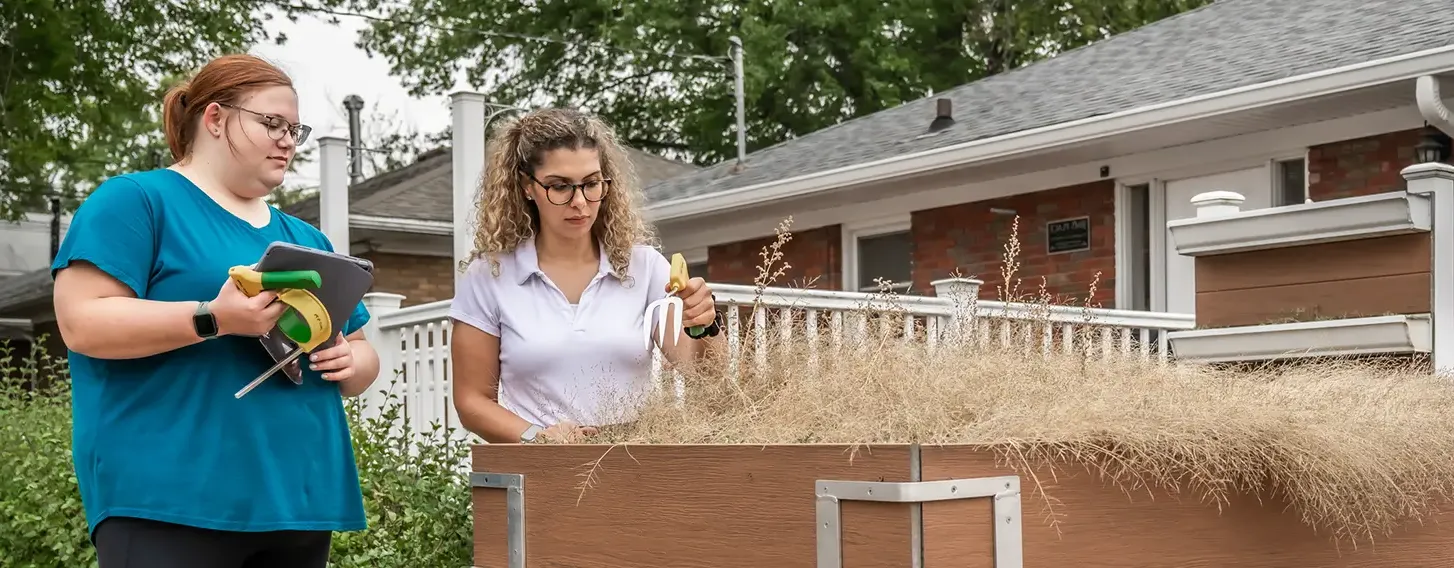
[1366, 277]
[1376, 296]
[1329, 262]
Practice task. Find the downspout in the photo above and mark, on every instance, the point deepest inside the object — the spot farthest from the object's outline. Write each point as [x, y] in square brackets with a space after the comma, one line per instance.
[1431, 104]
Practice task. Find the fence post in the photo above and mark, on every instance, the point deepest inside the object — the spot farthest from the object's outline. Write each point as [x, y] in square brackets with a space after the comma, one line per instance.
[387, 344]
[963, 294]
[1214, 203]
[1436, 180]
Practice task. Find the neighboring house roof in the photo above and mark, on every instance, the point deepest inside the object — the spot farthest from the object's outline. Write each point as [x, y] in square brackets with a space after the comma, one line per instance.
[424, 190]
[1221, 46]
[24, 291]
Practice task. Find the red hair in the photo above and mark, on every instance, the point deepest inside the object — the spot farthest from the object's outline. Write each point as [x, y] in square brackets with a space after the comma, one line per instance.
[225, 80]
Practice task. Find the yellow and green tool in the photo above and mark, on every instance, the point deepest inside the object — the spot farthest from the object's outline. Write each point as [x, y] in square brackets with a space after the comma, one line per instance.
[306, 321]
[677, 281]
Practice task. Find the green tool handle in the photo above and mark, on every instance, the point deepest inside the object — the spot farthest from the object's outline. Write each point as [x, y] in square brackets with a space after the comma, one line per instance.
[282, 279]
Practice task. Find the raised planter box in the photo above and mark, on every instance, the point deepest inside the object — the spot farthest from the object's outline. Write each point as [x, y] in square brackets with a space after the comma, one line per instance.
[1379, 215]
[1336, 337]
[787, 506]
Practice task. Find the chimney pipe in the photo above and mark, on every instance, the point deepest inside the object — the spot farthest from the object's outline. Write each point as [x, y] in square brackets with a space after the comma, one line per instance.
[943, 115]
[354, 104]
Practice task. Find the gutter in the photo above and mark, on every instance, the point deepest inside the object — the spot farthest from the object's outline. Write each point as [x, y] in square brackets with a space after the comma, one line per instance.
[1320, 83]
[1431, 105]
[418, 226]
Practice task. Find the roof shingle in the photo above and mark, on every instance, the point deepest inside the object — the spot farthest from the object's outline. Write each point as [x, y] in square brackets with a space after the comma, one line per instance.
[1220, 46]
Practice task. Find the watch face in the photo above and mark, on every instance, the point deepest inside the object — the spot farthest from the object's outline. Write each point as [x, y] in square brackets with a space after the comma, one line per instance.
[205, 324]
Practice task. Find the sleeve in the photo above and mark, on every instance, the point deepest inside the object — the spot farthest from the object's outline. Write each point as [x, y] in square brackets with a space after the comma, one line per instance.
[474, 300]
[360, 316]
[114, 229]
[357, 320]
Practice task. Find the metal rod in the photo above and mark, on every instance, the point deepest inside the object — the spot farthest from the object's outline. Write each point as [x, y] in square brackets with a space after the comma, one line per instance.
[741, 99]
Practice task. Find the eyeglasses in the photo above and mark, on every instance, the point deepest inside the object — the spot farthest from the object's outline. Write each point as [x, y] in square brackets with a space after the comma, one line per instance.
[277, 126]
[561, 193]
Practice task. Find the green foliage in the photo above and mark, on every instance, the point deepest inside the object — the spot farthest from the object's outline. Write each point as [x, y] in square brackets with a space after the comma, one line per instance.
[81, 85]
[416, 496]
[659, 69]
[41, 521]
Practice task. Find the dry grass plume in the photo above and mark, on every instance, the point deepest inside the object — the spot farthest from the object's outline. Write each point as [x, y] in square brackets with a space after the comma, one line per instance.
[1356, 447]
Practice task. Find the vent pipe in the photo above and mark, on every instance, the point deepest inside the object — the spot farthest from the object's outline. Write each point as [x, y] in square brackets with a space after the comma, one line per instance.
[943, 115]
[354, 104]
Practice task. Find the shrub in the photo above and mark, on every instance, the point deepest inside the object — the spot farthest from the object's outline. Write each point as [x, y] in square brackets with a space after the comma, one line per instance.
[416, 495]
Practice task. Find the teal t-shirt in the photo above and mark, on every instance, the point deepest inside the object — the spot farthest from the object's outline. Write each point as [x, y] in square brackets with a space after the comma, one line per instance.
[162, 437]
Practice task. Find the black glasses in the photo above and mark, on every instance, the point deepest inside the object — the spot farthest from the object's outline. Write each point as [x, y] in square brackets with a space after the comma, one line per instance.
[561, 193]
[277, 126]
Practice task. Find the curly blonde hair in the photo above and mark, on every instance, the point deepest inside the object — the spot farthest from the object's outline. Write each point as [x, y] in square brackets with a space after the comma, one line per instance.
[517, 145]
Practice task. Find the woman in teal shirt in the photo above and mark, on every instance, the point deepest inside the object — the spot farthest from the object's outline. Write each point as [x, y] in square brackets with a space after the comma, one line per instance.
[173, 470]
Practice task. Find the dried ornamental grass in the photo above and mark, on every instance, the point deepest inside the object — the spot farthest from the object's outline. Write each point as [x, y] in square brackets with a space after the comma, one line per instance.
[1357, 448]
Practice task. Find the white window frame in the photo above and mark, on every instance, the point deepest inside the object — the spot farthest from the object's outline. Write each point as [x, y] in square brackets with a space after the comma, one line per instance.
[853, 231]
[1274, 167]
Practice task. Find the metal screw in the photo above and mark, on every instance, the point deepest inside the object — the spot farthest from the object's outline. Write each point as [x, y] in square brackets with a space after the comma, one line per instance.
[953, 488]
[1008, 519]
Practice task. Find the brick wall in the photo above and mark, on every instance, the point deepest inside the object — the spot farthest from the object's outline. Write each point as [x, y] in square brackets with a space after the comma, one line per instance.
[1361, 166]
[421, 279]
[814, 257]
[971, 238]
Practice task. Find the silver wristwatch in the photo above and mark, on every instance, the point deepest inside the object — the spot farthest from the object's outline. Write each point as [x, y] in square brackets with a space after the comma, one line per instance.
[530, 433]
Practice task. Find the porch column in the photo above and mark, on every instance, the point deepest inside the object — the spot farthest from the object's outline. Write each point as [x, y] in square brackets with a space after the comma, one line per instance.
[963, 294]
[468, 149]
[333, 191]
[387, 344]
[1436, 180]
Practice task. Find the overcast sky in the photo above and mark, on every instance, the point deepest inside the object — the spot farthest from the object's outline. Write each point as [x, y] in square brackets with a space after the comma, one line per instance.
[326, 67]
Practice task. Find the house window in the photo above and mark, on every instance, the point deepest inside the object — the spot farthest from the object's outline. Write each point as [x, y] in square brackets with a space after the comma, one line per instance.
[1290, 182]
[884, 255]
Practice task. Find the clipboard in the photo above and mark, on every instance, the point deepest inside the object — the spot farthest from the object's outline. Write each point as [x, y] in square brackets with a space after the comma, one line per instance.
[345, 281]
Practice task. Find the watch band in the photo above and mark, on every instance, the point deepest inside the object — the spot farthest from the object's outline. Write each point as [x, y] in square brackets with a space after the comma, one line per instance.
[204, 323]
[531, 433]
[712, 329]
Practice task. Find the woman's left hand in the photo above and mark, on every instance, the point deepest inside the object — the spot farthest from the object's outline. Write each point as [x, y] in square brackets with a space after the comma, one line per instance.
[697, 305]
[335, 362]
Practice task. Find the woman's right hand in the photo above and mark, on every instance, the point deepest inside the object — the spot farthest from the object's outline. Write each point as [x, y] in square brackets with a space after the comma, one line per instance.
[238, 314]
[567, 432]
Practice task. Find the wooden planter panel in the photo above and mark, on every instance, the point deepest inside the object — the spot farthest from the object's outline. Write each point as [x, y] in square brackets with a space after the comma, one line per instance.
[688, 506]
[1099, 525]
[1368, 277]
[754, 506]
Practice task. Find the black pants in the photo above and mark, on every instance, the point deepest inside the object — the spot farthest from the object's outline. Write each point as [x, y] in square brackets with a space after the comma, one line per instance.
[124, 542]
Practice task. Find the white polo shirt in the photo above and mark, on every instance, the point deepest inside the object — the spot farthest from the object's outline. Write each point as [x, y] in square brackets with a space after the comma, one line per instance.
[585, 362]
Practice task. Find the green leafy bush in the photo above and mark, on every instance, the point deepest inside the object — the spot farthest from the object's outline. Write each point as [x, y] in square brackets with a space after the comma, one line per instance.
[416, 495]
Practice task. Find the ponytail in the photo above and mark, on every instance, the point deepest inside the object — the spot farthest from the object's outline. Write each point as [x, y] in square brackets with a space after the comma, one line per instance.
[177, 119]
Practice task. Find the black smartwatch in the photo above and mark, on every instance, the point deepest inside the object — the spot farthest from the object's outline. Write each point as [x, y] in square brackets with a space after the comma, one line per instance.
[203, 322]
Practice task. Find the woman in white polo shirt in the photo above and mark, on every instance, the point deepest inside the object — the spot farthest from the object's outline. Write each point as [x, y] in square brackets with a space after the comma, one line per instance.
[547, 338]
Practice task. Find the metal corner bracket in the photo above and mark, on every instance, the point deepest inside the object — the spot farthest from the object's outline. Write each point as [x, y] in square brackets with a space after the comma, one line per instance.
[1004, 490]
[514, 486]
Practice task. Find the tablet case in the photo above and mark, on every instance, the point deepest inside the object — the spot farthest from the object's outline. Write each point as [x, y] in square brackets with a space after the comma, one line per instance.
[345, 281]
